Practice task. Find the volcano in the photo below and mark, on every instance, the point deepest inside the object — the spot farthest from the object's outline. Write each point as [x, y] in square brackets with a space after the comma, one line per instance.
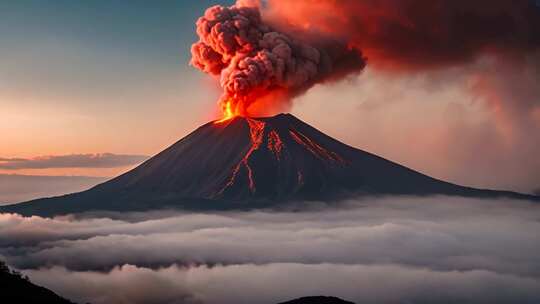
[251, 163]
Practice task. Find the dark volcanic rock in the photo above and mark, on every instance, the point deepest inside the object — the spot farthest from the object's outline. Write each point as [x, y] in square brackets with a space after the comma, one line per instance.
[17, 289]
[251, 163]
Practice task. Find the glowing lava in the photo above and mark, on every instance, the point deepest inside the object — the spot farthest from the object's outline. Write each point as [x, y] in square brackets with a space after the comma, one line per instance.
[315, 148]
[256, 130]
[228, 112]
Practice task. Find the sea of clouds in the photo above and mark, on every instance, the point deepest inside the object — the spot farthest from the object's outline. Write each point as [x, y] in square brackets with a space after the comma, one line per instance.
[378, 250]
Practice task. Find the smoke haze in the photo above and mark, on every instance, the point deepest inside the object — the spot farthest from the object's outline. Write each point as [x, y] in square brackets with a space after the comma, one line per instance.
[420, 34]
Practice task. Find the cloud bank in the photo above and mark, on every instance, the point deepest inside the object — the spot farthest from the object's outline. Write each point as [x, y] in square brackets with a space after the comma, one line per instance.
[274, 283]
[103, 160]
[393, 250]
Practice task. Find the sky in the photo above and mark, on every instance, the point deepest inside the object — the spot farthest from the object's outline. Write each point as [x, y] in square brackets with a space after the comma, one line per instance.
[83, 79]
[100, 76]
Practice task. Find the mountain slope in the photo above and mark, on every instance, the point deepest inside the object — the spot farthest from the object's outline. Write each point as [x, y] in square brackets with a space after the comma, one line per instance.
[250, 163]
[17, 289]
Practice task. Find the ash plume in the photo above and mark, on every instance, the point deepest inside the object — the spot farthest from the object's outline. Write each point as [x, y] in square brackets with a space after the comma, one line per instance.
[267, 54]
[255, 61]
[420, 34]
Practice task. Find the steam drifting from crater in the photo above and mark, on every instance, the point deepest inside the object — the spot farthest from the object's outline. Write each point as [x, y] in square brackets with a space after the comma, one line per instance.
[262, 68]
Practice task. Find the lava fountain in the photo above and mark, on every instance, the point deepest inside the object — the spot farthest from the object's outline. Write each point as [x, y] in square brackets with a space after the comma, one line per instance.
[228, 112]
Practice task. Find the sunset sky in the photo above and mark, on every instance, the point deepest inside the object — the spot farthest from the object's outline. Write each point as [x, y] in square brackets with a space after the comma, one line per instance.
[93, 88]
[99, 76]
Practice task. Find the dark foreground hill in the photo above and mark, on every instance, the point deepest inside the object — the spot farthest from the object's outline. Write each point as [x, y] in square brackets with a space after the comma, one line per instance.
[251, 163]
[14, 288]
[318, 300]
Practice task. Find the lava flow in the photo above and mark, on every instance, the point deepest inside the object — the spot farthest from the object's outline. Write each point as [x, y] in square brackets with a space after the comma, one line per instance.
[228, 112]
[256, 130]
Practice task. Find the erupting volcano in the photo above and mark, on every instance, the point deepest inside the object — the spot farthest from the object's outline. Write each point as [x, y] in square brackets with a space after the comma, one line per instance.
[265, 58]
[248, 162]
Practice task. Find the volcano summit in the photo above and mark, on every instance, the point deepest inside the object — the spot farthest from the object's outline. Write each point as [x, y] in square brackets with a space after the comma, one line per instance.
[250, 163]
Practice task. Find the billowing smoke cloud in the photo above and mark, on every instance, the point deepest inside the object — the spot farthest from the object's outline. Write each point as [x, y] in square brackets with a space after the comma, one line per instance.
[284, 52]
[497, 41]
[393, 250]
[261, 68]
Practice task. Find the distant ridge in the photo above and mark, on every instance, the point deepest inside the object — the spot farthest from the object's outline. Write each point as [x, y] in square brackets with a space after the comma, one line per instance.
[318, 300]
[18, 289]
[251, 163]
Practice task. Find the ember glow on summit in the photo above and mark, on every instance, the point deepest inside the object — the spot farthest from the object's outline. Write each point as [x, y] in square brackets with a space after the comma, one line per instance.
[228, 112]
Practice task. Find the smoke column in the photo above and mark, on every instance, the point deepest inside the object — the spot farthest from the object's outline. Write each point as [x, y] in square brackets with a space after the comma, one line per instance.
[267, 54]
[260, 67]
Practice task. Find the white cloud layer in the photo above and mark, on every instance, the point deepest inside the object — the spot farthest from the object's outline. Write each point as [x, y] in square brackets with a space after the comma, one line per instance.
[274, 283]
[392, 250]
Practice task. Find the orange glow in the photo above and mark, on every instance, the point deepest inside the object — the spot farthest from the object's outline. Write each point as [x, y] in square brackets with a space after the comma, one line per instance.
[275, 144]
[316, 149]
[228, 112]
[256, 130]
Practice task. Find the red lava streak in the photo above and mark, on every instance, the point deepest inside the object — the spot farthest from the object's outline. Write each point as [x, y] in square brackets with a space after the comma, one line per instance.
[256, 130]
[275, 144]
[263, 136]
[315, 149]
